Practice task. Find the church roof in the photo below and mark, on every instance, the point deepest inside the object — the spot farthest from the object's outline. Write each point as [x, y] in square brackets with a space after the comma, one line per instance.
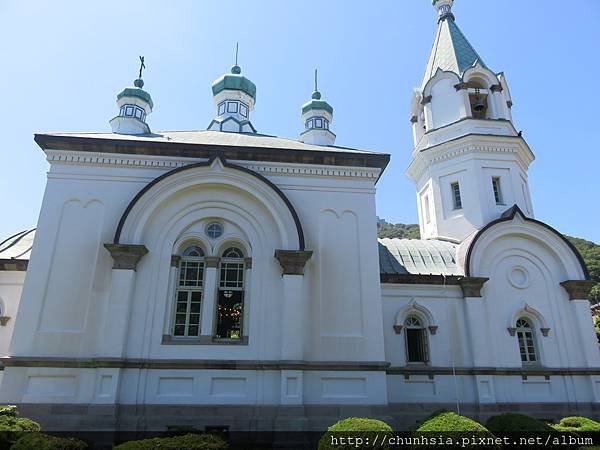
[15, 250]
[208, 144]
[208, 137]
[417, 257]
[451, 51]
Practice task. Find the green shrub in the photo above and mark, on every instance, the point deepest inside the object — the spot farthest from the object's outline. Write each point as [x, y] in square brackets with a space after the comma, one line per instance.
[39, 441]
[356, 428]
[448, 424]
[187, 442]
[447, 421]
[516, 423]
[8, 410]
[13, 427]
[577, 425]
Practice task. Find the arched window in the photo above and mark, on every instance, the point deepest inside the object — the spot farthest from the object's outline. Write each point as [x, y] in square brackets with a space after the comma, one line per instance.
[526, 338]
[416, 340]
[230, 304]
[188, 296]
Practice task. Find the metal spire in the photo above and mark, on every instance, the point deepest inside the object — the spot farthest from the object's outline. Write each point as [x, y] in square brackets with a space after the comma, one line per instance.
[139, 82]
[316, 94]
[236, 69]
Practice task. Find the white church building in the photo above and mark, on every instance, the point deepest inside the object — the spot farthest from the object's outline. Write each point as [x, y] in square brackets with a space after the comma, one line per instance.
[232, 278]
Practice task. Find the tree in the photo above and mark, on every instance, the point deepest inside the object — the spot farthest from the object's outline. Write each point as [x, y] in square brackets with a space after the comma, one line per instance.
[398, 231]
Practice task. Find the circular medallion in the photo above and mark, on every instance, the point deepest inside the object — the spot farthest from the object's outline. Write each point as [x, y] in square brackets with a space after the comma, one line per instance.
[519, 277]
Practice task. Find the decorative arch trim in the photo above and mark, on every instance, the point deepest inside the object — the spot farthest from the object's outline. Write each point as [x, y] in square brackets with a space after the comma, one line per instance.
[414, 308]
[208, 163]
[508, 216]
[530, 313]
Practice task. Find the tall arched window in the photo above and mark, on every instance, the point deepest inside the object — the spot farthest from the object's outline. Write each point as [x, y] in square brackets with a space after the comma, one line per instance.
[230, 304]
[188, 296]
[526, 338]
[416, 340]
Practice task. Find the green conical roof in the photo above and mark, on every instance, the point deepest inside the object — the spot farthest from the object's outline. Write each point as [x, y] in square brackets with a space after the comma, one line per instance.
[136, 92]
[234, 81]
[317, 104]
[451, 51]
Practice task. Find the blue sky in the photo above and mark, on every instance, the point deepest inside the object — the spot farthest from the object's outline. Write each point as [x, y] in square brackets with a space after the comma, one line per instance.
[64, 62]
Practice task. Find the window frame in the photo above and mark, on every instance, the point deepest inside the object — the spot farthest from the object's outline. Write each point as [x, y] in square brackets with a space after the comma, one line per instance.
[527, 344]
[181, 286]
[497, 189]
[457, 203]
[223, 286]
[412, 323]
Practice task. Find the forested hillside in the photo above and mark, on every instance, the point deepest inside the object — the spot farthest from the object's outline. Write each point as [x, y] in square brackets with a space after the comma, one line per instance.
[589, 250]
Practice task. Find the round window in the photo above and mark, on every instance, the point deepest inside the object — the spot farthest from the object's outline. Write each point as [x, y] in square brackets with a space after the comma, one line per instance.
[214, 230]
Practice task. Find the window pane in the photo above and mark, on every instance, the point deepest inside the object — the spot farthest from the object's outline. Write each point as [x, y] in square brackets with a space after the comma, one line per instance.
[456, 196]
[179, 330]
[229, 314]
[193, 330]
[232, 107]
[412, 345]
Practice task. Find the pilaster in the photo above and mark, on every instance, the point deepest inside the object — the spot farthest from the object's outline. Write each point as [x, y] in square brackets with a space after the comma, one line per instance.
[579, 291]
[125, 260]
[209, 301]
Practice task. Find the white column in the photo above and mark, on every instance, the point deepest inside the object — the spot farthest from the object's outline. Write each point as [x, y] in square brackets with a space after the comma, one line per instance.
[247, 298]
[117, 317]
[169, 313]
[293, 323]
[587, 334]
[478, 335]
[578, 291]
[210, 298]
[116, 326]
[476, 324]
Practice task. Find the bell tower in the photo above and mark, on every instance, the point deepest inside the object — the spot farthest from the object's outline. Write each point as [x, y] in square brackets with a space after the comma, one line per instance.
[469, 163]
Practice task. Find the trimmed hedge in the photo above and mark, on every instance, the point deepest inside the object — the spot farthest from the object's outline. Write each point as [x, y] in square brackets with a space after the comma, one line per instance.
[187, 442]
[355, 427]
[12, 427]
[39, 441]
[447, 424]
[577, 425]
[448, 421]
[515, 423]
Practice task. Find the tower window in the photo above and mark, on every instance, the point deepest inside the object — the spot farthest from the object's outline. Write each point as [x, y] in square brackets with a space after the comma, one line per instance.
[230, 305]
[416, 340]
[243, 109]
[188, 296]
[221, 108]
[232, 107]
[457, 201]
[497, 190]
[426, 207]
[526, 341]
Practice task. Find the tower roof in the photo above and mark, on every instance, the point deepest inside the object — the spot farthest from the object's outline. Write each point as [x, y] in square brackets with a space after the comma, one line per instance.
[451, 50]
[234, 81]
[137, 92]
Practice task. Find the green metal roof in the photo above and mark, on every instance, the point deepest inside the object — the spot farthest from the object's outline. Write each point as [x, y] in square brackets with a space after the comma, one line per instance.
[136, 92]
[451, 51]
[236, 82]
[417, 257]
[317, 105]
